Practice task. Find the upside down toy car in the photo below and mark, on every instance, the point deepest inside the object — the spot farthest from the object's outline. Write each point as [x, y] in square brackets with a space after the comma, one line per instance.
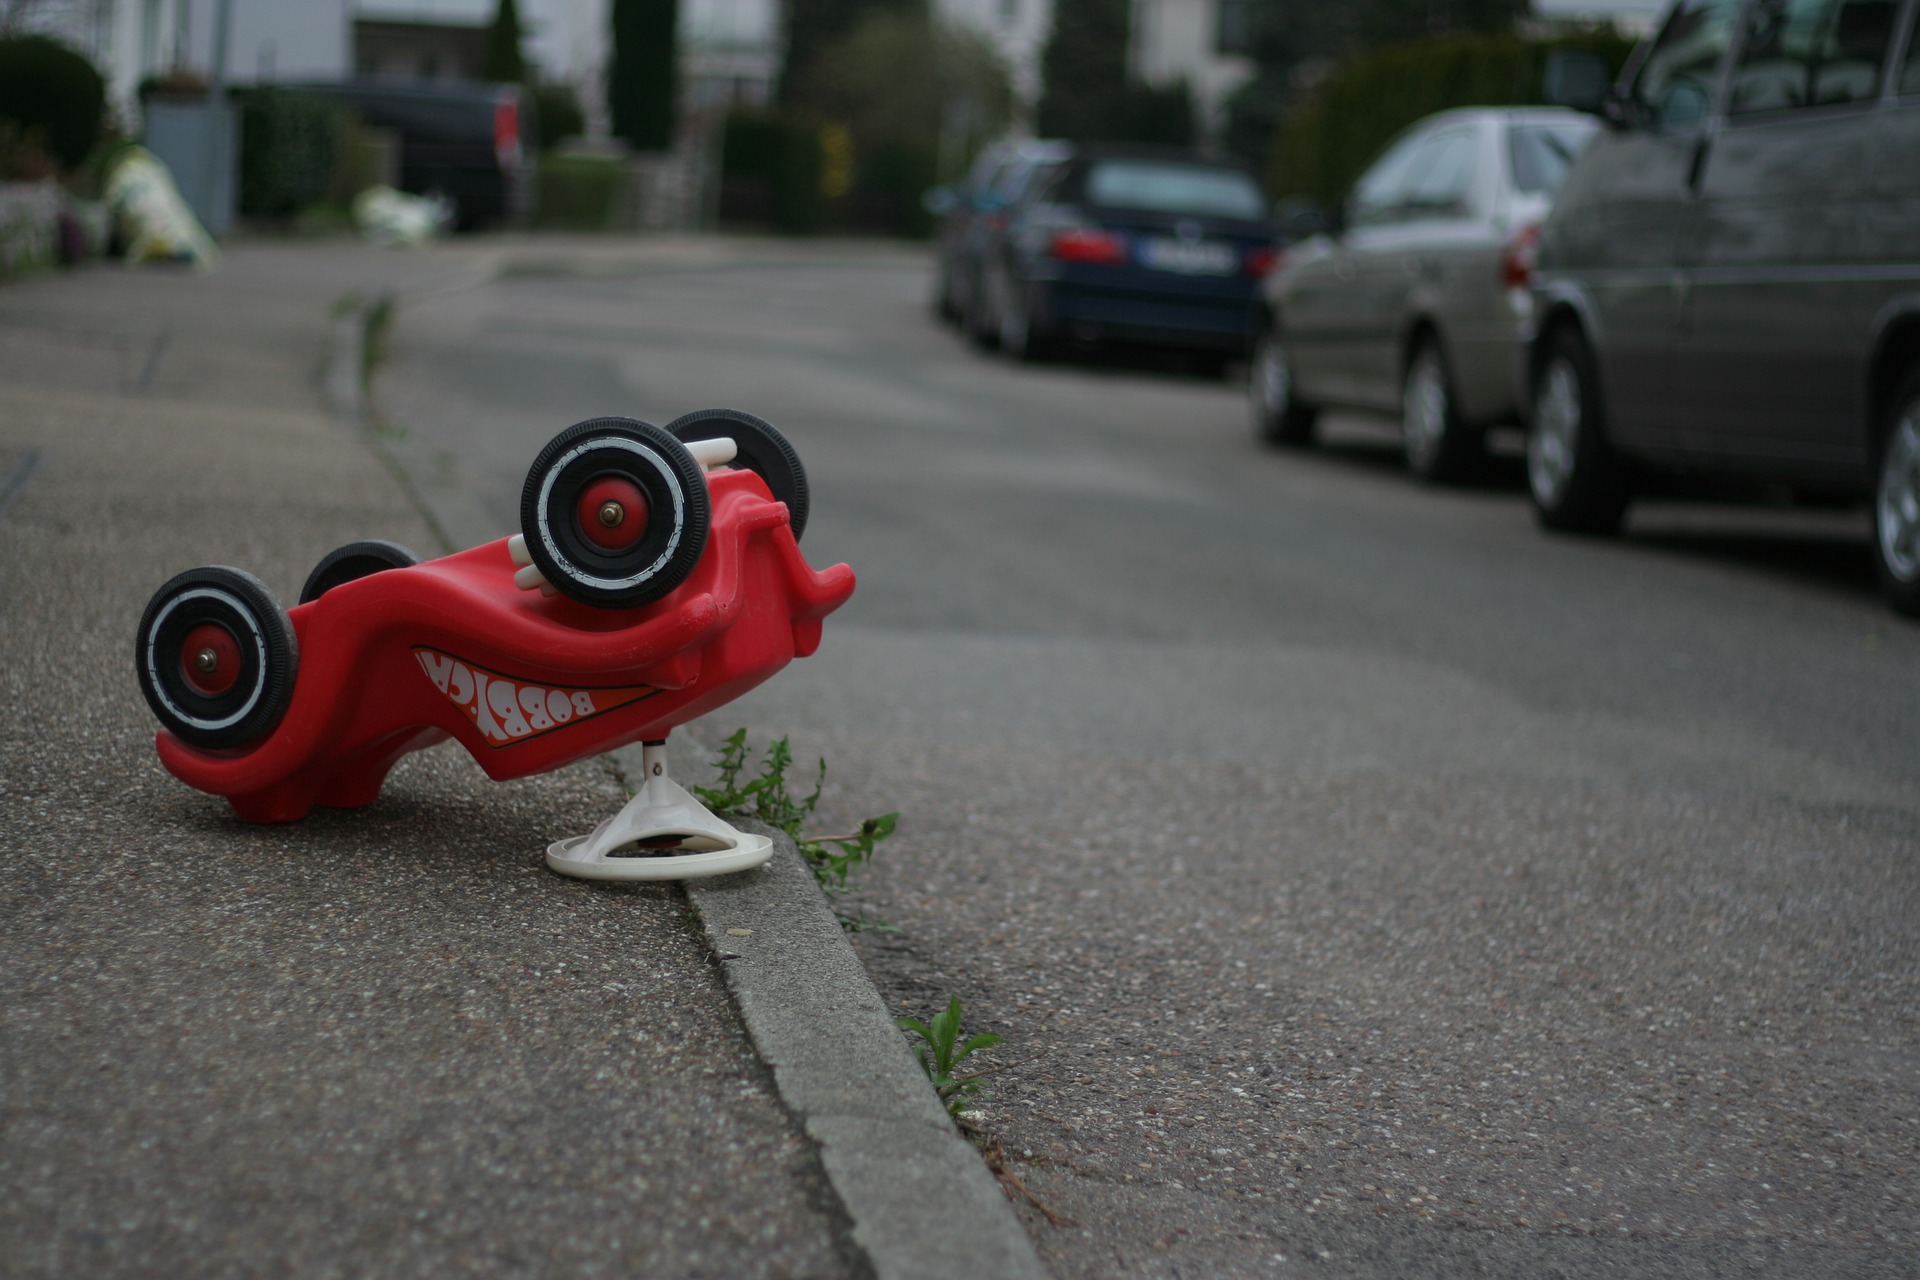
[657, 575]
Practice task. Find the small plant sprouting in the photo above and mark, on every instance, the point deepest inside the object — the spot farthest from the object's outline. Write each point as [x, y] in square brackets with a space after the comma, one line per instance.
[767, 798]
[941, 1052]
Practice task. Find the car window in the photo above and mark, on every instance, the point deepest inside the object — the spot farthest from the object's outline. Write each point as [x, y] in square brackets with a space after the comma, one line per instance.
[1852, 48]
[1541, 153]
[1439, 181]
[1381, 190]
[1674, 87]
[1159, 187]
[1798, 53]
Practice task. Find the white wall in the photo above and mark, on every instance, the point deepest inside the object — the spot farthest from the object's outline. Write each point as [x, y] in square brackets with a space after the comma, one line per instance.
[1174, 40]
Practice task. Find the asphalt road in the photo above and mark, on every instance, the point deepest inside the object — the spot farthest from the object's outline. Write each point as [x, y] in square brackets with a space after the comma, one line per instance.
[1364, 883]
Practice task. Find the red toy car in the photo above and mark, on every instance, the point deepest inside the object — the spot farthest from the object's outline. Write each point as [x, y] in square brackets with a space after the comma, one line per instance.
[651, 583]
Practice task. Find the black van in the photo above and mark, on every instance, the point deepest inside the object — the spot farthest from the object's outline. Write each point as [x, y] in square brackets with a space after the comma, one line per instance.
[459, 140]
[1729, 282]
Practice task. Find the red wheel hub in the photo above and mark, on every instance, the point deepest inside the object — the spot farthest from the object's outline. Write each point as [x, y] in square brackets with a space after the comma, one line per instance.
[210, 659]
[612, 513]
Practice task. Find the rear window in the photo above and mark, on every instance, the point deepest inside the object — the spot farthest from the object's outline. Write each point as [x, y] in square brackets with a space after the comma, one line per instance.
[1543, 152]
[1158, 187]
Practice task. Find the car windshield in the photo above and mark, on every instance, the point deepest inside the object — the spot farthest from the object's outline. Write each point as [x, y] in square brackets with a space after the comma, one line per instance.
[1158, 187]
[1542, 153]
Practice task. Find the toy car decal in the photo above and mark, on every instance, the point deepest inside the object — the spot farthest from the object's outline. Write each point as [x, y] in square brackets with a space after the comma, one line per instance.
[508, 710]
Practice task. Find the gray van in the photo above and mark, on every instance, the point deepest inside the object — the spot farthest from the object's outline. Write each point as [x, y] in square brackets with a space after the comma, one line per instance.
[1729, 283]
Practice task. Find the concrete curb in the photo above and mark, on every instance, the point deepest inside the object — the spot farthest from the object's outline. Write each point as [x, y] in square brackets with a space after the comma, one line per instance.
[456, 519]
[922, 1203]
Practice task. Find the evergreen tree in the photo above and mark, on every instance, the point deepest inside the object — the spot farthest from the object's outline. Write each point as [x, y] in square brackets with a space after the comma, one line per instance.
[1089, 95]
[503, 61]
[643, 81]
[1083, 69]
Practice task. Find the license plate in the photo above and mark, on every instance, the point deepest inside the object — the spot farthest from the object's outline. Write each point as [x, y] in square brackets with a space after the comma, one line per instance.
[1189, 257]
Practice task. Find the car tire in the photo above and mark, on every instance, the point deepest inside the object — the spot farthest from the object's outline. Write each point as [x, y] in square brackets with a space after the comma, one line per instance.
[980, 318]
[353, 561]
[1017, 335]
[1278, 416]
[1439, 446]
[761, 449]
[1575, 481]
[1896, 500]
[578, 512]
[216, 657]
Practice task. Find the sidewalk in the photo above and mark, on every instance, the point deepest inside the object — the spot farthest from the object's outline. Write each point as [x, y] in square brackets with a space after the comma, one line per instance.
[376, 1043]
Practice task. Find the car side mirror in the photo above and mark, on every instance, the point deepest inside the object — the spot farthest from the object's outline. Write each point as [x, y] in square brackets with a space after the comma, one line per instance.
[1299, 218]
[1577, 78]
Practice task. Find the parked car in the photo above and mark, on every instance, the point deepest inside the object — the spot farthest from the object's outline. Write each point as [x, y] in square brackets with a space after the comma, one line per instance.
[975, 212]
[1137, 244]
[459, 140]
[1416, 301]
[1729, 285]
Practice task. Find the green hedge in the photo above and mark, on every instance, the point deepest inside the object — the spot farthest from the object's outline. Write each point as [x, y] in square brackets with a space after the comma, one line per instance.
[580, 193]
[52, 94]
[1330, 137]
[289, 144]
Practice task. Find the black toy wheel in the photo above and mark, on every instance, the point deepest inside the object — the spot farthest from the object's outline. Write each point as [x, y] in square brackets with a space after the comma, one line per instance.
[355, 560]
[216, 658]
[615, 512]
[762, 450]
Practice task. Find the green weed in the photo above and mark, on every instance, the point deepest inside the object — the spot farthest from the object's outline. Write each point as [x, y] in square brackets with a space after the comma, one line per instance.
[941, 1052]
[766, 796]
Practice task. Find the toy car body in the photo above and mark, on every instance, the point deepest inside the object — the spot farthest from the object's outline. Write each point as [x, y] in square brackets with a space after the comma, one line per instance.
[398, 657]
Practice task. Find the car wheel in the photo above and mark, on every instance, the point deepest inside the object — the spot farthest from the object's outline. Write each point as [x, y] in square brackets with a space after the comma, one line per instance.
[1896, 501]
[1574, 480]
[1278, 416]
[216, 658]
[1438, 445]
[355, 560]
[1017, 336]
[761, 449]
[981, 318]
[615, 512]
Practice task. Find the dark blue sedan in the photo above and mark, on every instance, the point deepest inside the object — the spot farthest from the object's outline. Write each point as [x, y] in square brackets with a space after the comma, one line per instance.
[1135, 245]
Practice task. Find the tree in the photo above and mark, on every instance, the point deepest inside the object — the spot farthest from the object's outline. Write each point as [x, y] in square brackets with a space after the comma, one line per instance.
[1290, 41]
[893, 83]
[814, 26]
[503, 61]
[1090, 94]
[642, 82]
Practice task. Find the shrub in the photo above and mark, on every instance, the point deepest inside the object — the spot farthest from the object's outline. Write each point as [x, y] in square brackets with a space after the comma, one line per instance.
[289, 144]
[1340, 126]
[580, 193]
[50, 91]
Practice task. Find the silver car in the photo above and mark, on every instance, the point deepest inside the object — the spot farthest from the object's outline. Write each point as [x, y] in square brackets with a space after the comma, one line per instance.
[1418, 302]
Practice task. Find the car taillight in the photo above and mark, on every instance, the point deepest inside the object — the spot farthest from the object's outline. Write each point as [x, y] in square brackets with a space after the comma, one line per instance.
[1259, 262]
[1523, 250]
[1090, 244]
[506, 133]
